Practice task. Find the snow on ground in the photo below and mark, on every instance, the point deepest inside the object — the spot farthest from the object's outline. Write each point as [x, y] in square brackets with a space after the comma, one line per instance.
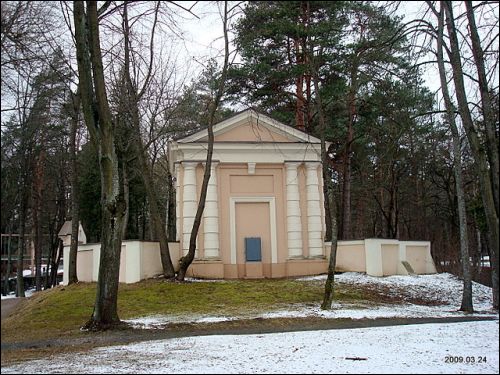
[470, 347]
[441, 286]
[28, 293]
[466, 347]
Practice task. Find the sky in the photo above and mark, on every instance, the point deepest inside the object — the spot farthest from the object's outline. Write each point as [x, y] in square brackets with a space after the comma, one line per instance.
[465, 347]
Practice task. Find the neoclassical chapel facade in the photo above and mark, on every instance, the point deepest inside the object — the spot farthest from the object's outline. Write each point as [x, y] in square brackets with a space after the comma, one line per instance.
[264, 213]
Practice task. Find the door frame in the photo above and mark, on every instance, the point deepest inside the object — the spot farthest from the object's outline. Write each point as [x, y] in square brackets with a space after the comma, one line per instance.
[272, 220]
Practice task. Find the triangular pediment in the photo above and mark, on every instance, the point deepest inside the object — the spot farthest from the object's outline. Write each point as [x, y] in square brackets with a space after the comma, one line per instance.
[251, 126]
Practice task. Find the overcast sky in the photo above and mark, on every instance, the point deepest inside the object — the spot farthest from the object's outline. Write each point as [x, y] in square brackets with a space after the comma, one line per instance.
[203, 36]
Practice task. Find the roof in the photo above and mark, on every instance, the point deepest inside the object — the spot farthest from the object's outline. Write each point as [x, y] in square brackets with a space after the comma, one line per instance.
[66, 228]
[251, 115]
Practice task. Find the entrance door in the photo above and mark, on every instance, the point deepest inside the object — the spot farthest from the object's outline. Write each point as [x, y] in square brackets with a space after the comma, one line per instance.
[252, 221]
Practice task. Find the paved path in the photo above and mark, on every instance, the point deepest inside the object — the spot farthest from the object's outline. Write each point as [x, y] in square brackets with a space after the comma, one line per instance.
[9, 305]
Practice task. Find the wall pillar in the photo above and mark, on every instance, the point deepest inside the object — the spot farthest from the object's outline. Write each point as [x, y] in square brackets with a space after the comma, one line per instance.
[177, 173]
[189, 203]
[211, 217]
[402, 257]
[373, 256]
[314, 217]
[293, 216]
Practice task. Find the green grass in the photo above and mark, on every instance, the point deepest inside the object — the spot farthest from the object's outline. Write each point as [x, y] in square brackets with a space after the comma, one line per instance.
[60, 312]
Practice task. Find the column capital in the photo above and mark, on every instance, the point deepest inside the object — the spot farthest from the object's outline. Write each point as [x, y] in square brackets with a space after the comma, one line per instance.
[292, 164]
[186, 164]
[214, 163]
[312, 164]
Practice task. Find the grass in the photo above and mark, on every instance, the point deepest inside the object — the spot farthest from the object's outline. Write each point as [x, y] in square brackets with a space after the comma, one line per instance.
[60, 312]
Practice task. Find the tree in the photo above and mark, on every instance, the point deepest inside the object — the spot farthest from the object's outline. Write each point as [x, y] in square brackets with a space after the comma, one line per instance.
[20, 63]
[483, 167]
[492, 144]
[187, 259]
[489, 119]
[372, 55]
[327, 186]
[89, 189]
[49, 93]
[392, 140]
[98, 120]
[132, 98]
[14, 157]
[457, 167]
[75, 217]
[273, 39]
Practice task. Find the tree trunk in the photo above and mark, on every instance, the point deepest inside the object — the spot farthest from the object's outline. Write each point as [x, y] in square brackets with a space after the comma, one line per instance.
[328, 196]
[171, 209]
[9, 264]
[328, 203]
[146, 169]
[346, 187]
[22, 220]
[299, 83]
[37, 213]
[126, 198]
[186, 260]
[99, 123]
[55, 242]
[156, 217]
[482, 168]
[20, 261]
[486, 104]
[457, 168]
[393, 224]
[46, 281]
[55, 263]
[72, 276]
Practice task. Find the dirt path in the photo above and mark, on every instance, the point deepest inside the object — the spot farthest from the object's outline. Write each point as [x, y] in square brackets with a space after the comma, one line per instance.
[235, 327]
[9, 305]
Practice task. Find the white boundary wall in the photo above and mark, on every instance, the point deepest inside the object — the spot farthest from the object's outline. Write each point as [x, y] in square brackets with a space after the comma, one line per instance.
[377, 257]
[384, 257]
[138, 260]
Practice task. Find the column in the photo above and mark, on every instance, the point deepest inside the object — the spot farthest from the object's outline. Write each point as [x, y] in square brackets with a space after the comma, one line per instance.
[189, 203]
[211, 217]
[177, 174]
[293, 217]
[315, 227]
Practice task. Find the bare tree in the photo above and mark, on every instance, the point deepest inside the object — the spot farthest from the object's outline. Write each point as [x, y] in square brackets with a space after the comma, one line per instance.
[491, 135]
[489, 119]
[483, 167]
[186, 260]
[98, 120]
[457, 168]
[328, 191]
[72, 276]
[133, 97]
